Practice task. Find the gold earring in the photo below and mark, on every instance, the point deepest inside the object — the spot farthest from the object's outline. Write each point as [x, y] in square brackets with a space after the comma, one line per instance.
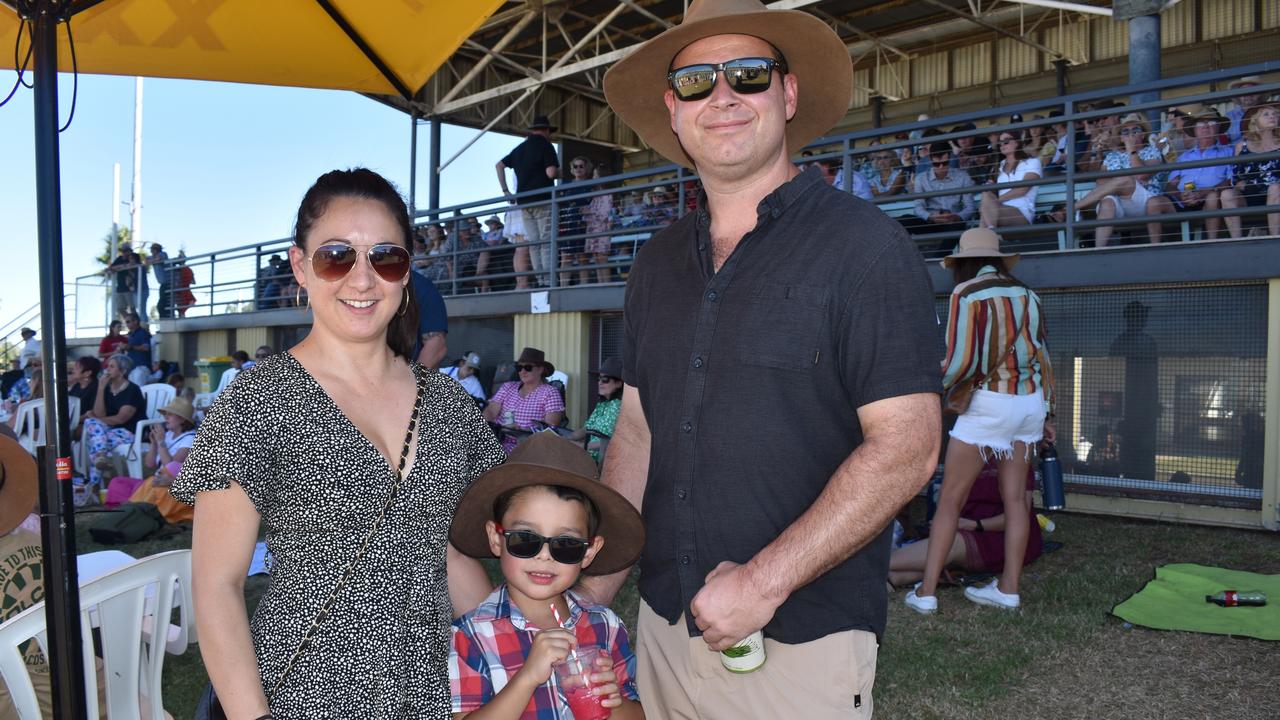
[404, 307]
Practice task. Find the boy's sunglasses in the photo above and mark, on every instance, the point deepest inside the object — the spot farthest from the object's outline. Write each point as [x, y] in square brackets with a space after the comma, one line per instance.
[745, 75]
[525, 544]
[334, 261]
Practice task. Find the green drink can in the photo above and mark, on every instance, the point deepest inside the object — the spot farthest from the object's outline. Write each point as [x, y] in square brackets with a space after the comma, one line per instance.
[747, 655]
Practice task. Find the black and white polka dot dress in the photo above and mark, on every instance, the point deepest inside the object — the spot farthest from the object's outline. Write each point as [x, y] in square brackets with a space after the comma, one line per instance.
[319, 484]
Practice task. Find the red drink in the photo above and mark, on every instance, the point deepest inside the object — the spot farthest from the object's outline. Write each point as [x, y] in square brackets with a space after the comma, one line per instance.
[584, 705]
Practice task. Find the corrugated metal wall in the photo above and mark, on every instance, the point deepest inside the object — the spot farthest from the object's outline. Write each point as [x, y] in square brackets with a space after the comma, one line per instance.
[211, 343]
[930, 74]
[250, 339]
[1178, 24]
[894, 78]
[1270, 14]
[1070, 39]
[972, 65]
[1224, 18]
[1110, 39]
[1015, 59]
[861, 81]
[565, 338]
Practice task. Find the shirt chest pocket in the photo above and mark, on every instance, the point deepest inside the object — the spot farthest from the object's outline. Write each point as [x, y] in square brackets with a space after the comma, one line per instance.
[784, 326]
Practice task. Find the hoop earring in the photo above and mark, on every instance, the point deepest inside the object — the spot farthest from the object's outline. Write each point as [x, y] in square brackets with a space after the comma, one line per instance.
[404, 306]
[297, 298]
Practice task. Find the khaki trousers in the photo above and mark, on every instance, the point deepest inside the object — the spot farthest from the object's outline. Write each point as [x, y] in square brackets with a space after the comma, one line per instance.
[679, 677]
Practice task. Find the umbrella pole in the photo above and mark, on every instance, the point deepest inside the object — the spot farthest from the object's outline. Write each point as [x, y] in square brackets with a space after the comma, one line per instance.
[57, 533]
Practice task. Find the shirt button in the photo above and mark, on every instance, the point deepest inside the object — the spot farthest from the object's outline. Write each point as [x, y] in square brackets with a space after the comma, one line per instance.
[702, 247]
[682, 494]
[686, 427]
[697, 362]
[776, 213]
[684, 559]
[712, 296]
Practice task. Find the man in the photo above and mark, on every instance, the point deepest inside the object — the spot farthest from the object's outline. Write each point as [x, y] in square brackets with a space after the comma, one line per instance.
[158, 260]
[126, 282]
[433, 322]
[139, 351]
[536, 166]
[1242, 105]
[781, 370]
[30, 351]
[1199, 188]
[464, 371]
[941, 213]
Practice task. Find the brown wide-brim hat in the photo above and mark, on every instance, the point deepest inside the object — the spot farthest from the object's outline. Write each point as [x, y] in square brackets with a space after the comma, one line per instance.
[181, 407]
[547, 459]
[980, 242]
[18, 484]
[634, 86]
[536, 356]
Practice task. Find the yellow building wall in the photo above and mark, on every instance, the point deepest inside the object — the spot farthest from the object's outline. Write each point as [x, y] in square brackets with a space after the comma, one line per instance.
[250, 339]
[211, 343]
[565, 337]
[170, 347]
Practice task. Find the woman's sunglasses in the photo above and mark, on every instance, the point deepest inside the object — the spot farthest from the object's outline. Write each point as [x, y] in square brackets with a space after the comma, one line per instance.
[334, 261]
[745, 75]
[526, 544]
[526, 367]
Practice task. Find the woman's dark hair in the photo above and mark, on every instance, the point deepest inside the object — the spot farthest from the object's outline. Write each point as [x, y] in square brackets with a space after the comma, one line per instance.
[175, 378]
[966, 269]
[615, 395]
[1019, 154]
[240, 355]
[503, 502]
[89, 364]
[365, 184]
[115, 324]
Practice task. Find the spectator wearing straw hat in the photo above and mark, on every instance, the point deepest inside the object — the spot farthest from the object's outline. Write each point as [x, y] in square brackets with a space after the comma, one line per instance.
[766, 495]
[1235, 115]
[1199, 188]
[536, 166]
[1121, 196]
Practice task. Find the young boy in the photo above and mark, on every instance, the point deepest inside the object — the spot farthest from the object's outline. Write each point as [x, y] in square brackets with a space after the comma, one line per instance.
[544, 515]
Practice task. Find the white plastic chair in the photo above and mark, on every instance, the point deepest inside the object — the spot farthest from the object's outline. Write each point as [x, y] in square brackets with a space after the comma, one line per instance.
[29, 422]
[132, 664]
[157, 396]
[205, 399]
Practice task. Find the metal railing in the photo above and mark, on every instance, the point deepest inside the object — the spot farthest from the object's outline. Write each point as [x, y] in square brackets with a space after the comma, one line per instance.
[638, 203]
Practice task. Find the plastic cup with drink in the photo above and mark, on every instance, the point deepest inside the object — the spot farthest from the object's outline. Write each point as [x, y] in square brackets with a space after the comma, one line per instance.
[573, 675]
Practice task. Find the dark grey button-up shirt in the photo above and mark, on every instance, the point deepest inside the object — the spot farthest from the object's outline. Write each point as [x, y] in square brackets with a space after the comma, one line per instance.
[751, 378]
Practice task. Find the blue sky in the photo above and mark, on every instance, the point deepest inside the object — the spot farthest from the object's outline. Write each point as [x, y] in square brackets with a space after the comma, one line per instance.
[222, 165]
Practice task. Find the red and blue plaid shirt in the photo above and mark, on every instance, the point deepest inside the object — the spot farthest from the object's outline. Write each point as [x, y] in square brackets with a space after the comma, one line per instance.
[490, 644]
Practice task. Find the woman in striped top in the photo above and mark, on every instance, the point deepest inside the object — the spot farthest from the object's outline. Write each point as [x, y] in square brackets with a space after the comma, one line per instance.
[995, 337]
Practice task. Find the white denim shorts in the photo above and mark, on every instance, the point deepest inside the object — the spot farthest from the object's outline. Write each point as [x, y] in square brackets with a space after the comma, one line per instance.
[1133, 206]
[995, 421]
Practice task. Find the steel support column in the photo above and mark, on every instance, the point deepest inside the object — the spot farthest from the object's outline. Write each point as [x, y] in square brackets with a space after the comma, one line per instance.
[57, 512]
[1144, 56]
[433, 169]
[413, 164]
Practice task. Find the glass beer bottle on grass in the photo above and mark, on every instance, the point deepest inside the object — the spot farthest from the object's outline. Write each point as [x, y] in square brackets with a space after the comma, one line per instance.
[747, 655]
[1233, 598]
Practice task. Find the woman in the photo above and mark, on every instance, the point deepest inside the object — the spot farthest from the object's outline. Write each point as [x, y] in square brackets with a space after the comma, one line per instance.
[1121, 196]
[604, 416]
[978, 546]
[1013, 206]
[1257, 182]
[312, 444]
[117, 408]
[114, 342]
[84, 381]
[887, 179]
[436, 267]
[521, 403]
[995, 342]
[599, 218]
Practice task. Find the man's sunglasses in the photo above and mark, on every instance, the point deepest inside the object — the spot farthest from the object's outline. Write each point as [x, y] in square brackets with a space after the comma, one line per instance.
[746, 76]
[526, 544]
[334, 261]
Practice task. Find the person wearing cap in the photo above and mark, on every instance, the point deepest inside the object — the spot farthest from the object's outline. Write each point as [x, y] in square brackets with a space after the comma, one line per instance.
[1242, 104]
[996, 343]
[158, 261]
[529, 400]
[604, 416]
[1198, 188]
[1121, 196]
[464, 371]
[30, 350]
[1256, 182]
[536, 166]
[767, 496]
[548, 520]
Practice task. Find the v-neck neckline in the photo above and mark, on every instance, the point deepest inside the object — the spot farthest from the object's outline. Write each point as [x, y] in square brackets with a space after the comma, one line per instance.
[418, 395]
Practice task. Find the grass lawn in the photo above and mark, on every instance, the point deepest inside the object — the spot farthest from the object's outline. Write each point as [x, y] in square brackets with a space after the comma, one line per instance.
[1062, 656]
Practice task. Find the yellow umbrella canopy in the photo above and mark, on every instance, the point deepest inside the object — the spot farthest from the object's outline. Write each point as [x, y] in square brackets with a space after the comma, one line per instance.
[386, 47]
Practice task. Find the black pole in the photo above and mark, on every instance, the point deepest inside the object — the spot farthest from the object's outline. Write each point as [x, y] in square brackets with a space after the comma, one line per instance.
[877, 110]
[413, 161]
[433, 172]
[57, 511]
[1060, 68]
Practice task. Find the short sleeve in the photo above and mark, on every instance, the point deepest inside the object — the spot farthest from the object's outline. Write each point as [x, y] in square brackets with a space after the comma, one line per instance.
[549, 158]
[891, 343]
[229, 447]
[551, 400]
[624, 663]
[470, 686]
[503, 396]
[1033, 166]
[432, 315]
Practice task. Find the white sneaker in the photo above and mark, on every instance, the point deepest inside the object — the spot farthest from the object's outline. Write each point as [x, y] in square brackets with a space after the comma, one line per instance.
[991, 595]
[923, 604]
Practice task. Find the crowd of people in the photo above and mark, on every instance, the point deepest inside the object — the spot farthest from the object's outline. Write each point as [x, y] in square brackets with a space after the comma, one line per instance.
[129, 271]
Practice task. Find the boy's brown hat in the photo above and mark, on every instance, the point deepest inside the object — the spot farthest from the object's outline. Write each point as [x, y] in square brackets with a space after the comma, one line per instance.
[547, 459]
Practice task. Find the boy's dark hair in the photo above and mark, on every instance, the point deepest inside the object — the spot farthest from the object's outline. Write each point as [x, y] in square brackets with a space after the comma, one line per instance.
[503, 503]
[938, 149]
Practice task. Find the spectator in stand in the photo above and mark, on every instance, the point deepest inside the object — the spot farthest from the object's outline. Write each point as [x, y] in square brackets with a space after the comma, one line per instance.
[514, 229]
[1257, 182]
[178, 382]
[272, 280]
[890, 177]
[35, 391]
[142, 289]
[659, 207]
[604, 416]
[114, 342]
[30, 350]
[114, 418]
[1121, 196]
[1200, 188]
[436, 265]
[139, 339]
[536, 166]
[469, 245]
[240, 360]
[84, 381]
[1177, 134]
[860, 185]
[1242, 104]
[573, 222]
[493, 240]
[524, 402]
[263, 352]
[126, 283]
[964, 155]
[464, 371]
[183, 279]
[158, 261]
[433, 322]
[1037, 143]
[941, 213]
[1012, 206]
[598, 216]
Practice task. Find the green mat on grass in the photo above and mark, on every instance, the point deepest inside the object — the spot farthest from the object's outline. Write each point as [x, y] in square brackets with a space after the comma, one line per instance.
[1175, 601]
